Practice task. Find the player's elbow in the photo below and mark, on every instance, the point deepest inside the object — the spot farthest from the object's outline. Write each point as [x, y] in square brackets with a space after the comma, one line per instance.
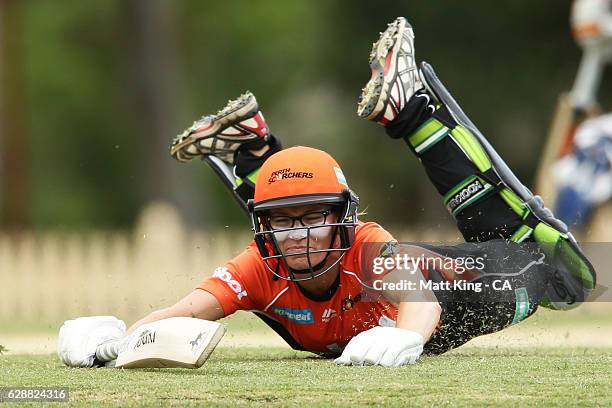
[436, 310]
[431, 311]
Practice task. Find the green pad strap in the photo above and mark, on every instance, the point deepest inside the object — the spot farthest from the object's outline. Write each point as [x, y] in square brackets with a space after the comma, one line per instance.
[252, 177]
[521, 234]
[544, 233]
[514, 202]
[474, 151]
[427, 135]
[471, 147]
[467, 192]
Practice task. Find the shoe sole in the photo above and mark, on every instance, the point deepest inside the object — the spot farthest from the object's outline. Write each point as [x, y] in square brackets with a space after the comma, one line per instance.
[245, 108]
[376, 92]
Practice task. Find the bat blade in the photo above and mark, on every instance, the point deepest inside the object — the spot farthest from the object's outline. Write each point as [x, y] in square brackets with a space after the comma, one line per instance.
[572, 108]
[175, 342]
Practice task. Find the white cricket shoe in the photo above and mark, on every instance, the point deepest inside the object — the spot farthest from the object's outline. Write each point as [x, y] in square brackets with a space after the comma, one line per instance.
[395, 77]
[221, 134]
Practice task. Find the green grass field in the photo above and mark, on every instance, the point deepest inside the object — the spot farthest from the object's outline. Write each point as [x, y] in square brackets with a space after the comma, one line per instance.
[552, 359]
[277, 376]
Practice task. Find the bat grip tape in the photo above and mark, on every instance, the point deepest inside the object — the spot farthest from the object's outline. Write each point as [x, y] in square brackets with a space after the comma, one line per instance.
[110, 350]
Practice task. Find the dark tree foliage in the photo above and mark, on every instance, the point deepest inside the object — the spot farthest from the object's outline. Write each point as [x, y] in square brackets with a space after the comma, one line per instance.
[109, 83]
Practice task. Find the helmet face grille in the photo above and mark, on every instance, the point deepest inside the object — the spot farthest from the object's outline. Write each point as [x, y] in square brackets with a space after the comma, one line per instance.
[294, 177]
[276, 261]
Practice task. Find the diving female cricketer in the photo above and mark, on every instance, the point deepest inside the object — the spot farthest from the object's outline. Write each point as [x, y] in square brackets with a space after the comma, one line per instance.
[309, 271]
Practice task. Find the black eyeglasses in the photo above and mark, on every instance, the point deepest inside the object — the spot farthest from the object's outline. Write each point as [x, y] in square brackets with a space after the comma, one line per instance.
[306, 220]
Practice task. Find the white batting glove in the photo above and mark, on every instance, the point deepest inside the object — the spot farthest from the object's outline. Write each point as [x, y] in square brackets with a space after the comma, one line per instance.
[79, 338]
[385, 346]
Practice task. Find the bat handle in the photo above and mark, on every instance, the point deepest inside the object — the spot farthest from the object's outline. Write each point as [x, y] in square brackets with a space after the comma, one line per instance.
[108, 351]
[588, 78]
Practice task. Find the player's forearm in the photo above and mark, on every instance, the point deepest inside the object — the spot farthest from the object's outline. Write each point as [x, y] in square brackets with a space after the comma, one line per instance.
[151, 317]
[420, 317]
[199, 304]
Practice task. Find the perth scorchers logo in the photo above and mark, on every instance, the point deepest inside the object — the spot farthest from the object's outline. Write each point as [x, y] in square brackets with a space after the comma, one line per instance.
[288, 174]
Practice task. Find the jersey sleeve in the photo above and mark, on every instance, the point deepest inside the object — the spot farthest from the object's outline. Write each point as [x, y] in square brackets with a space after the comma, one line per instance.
[373, 243]
[236, 284]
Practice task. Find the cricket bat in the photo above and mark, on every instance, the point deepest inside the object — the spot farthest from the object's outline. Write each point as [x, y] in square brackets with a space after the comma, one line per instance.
[183, 342]
[560, 134]
[594, 36]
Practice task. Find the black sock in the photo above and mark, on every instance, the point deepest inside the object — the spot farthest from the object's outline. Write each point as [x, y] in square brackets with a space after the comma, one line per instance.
[419, 108]
[246, 162]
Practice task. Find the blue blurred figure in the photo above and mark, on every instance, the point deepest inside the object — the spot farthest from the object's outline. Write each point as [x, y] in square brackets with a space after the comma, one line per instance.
[584, 177]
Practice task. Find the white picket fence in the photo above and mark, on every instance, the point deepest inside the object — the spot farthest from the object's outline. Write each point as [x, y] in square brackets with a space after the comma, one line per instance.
[47, 277]
[51, 276]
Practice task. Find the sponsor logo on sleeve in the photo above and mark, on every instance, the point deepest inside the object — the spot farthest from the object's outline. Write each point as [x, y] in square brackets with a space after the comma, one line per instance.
[225, 275]
[301, 316]
[388, 249]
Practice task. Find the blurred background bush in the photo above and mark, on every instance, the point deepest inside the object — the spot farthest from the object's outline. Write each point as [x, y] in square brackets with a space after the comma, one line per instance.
[97, 218]
[92, 93]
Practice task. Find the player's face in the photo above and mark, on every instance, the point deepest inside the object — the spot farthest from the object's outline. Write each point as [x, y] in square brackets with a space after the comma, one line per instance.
[296, 241]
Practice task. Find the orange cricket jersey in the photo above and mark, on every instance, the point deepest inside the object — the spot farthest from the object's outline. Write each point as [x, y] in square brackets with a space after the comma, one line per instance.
[324, 326]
